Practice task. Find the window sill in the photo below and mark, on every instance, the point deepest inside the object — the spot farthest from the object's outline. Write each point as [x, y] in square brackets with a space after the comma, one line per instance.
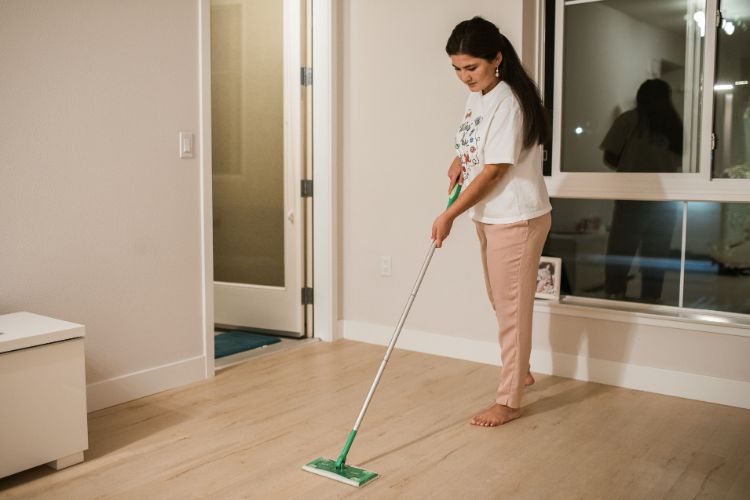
[646, 186]
[661, 316]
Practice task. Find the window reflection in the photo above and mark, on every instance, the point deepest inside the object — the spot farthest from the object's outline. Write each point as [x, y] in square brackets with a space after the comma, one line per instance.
[717, 249]
[647, 138]
[631, 251]
[621, 250]
[612, 49]
[646, 228]
[732, 92]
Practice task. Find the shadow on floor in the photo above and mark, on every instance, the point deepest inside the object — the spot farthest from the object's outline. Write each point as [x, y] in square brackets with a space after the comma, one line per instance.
[542, 402]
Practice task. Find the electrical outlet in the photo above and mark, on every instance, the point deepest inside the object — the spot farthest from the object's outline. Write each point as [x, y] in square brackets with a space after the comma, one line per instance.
[385, 265]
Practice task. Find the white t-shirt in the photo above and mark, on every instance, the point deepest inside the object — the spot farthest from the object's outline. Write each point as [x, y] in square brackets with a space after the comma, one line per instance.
[492, 132]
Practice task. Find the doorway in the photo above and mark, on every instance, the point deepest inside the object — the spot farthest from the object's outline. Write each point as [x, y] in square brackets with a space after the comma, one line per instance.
[259, 115]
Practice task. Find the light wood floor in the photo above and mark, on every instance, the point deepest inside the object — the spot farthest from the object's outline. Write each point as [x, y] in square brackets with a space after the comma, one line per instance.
[246, 433]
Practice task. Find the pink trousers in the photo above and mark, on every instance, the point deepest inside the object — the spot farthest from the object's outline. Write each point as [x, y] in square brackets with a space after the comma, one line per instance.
[510, 256]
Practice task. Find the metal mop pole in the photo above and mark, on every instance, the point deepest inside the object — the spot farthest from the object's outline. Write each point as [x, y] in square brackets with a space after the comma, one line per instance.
[342, 458]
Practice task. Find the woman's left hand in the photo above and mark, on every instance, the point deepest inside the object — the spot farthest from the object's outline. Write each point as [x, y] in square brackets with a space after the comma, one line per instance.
[441, 228]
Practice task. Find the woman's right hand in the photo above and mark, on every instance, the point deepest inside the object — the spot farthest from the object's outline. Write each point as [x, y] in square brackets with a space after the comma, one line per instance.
[454, 173]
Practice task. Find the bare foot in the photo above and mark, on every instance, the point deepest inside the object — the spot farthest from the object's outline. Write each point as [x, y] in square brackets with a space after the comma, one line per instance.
[496, 415]
[529, 380]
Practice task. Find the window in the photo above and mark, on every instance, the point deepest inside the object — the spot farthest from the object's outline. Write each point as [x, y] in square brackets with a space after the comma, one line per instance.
[649, 170]
[632, 251]
[630, 79]
[632, 42]
[732, 92]
[625, 250]
[717, 257]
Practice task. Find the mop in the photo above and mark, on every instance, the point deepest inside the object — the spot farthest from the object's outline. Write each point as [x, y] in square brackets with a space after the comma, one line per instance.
[338, 469]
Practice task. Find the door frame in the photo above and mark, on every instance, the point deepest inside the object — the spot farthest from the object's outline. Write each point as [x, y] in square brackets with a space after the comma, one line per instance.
[325, 233]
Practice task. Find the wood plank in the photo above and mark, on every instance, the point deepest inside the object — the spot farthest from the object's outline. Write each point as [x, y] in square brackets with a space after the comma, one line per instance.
[247, 432]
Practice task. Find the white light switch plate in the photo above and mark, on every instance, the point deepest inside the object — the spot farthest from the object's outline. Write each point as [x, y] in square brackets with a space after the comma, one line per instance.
[186, 145]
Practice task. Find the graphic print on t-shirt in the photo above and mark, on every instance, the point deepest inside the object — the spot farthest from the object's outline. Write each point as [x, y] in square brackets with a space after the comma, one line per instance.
[466, 143]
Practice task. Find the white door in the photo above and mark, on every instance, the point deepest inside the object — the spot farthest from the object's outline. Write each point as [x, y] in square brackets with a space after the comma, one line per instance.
[259, 224]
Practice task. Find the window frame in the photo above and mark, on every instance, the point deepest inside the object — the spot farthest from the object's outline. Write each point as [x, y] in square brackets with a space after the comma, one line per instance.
[699, 186]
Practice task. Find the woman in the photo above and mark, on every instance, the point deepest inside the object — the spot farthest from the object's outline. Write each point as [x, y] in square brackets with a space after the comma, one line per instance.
[505, 196]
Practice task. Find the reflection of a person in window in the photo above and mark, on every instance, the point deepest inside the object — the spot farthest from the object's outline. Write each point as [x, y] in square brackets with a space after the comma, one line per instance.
[645, 139]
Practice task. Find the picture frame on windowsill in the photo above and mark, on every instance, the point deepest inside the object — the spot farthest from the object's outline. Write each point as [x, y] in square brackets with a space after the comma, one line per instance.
[548, 278]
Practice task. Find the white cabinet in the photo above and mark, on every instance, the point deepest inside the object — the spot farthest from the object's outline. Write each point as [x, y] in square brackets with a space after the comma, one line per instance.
[42, 393]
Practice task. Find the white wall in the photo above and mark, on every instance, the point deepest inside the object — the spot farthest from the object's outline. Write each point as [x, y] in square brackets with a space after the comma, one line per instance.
[100, 220]
[401, 103]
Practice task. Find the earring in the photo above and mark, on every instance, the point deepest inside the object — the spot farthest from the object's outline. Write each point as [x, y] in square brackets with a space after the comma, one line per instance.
[497, 72]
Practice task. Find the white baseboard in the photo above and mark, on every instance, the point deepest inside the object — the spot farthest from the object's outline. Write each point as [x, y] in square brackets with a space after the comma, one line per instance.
[143, 383]
[643, 378]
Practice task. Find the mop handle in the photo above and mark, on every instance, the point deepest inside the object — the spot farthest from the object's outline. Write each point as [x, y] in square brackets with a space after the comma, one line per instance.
[452, 197]
[342, 457]
[396, 333]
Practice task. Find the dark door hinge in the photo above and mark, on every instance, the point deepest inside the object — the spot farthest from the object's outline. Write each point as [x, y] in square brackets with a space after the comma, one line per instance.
[306, 76]
[307, 296]
[306, 188]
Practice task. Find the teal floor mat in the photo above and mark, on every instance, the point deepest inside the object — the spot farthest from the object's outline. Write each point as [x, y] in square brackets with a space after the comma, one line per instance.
[234, 341]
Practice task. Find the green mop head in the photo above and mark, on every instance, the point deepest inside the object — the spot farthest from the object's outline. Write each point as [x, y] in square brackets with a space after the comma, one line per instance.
[346, 474]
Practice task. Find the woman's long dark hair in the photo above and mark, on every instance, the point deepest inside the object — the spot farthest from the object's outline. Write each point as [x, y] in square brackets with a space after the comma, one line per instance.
[478, 37]
[657, 117]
